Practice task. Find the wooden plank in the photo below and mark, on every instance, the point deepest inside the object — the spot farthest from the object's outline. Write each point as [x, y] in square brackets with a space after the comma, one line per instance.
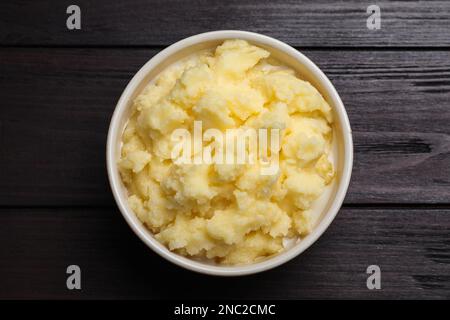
[411, 246]
[324, 23]
[57, 104]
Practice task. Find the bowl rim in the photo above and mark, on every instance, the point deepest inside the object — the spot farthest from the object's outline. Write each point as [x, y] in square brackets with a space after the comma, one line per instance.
[145, 235]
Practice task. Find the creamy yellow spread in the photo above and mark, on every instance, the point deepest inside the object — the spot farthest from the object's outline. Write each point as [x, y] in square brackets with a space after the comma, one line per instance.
[228, 213]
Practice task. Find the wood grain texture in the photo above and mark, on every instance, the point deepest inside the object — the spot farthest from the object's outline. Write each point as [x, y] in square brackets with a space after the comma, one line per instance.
[161, 22]
[56, 208]
[411, 246]
[57, 104]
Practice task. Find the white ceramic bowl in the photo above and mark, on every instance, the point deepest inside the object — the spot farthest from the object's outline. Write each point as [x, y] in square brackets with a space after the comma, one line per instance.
[284, 53]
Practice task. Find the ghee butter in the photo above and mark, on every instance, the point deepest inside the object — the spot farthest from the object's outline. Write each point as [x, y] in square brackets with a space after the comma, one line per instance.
[227, 213]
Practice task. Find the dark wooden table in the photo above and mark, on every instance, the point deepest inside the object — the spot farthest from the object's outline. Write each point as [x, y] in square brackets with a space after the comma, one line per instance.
[58, 89]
